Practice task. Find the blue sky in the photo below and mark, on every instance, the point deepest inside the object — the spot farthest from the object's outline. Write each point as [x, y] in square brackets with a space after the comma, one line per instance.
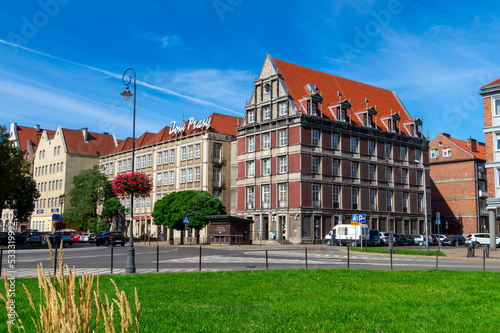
[61, 61]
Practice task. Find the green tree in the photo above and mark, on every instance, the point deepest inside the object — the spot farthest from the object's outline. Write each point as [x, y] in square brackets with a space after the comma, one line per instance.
[12, 164]
[91, 189]
[196, 205]
[113, 211]
[22, 198]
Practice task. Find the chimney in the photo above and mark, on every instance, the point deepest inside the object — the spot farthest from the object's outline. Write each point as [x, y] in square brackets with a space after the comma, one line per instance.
[471, 144]
[37, 128]
[85, 134]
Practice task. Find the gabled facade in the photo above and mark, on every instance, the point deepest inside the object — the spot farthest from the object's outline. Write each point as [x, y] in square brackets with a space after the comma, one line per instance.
[458, 185]
[491, 107]
[194, 155]
[60, 156]
[314, 148]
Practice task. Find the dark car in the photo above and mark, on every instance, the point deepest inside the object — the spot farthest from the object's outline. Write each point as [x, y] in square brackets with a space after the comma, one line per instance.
[406, 240]
[92, 238]
[60, 236]
[110, 238]
[433, 240]
[33, 237]
[398, 239]
[453, 241]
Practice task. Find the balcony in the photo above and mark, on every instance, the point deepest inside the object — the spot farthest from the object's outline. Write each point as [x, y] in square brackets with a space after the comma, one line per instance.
[219, 184]
[316, 204]
[219, 160]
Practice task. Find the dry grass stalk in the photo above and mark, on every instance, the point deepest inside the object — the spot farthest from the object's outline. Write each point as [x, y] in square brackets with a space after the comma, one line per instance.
[65, 308]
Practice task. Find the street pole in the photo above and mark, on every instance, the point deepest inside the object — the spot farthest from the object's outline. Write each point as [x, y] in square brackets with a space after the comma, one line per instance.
[130, 268]
[425, 207]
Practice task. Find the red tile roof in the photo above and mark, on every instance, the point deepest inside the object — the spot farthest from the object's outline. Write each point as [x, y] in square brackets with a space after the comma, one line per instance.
[97, 143]
[25, 134]
[493, 83]
[219, 123]
[480, 152]
[296, 77]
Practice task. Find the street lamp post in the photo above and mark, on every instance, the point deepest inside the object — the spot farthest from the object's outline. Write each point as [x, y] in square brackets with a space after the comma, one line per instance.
[425, 205]
[130, 268]
[389, 206]
[61, 201]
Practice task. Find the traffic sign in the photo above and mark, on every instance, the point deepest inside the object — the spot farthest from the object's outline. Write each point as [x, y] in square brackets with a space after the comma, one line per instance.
[361, 218]
[185, 220]
[438, 222]
[354, 223]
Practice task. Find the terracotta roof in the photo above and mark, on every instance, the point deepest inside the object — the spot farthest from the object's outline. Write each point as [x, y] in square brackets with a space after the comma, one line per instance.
[297, 77]
[493, 83]
[219, 123]
[480, 147]
[97, 143]
[25, 134]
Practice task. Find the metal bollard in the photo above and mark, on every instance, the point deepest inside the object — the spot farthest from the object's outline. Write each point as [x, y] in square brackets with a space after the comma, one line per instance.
[348, 257]
[157, 258]
[306, 256]
[437, 265]
[112, 259]
[484, 258]
[390, 255]
[199, 268]
[267, 264]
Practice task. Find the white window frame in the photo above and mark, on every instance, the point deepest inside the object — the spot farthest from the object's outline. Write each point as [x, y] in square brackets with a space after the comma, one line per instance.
[190, 152]
[354, 144]
[434, 153]
[404, 153]
[283, 108]
[283, 138]
[266, 140]
[251, 116]
[190, 175]
[266, 167]
[165, 178]
[172, 177]
[159, 158]
[183, 176]
[251, 169]
[266, 194]
[372, 170]
[172, 155]
[197, 150]
[165, 157]
[266, 112]
[144, 162]
[283, 161]
[335, 141]
[251, 143]
[283, 193]
[197, 174]
[316, 160]
[447, 151]
[183, 154]
[158, 179]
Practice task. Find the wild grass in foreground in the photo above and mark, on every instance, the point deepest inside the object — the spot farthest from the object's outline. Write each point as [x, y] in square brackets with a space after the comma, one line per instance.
[309, 301]
[400, 251]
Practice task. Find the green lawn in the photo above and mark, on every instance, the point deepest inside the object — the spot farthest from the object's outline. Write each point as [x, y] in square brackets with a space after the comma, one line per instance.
[303, 300]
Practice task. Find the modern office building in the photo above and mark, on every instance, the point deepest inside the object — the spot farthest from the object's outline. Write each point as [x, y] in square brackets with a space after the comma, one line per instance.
[458, 185]
[194, 155]
[491, 107]
[314, 148]
[60, 156]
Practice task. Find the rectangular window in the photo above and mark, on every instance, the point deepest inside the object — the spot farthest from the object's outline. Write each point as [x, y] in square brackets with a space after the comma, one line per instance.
[183, 153]
[388, 174]
[150, 160]
[159, 158]
[250, 197]
[355, 195]
[335, 141]
[315, 138]
[404, 176]
[172, 177]
[216, 194]
[137, 203]
[190, 152]
[315, 164]
[283, 108]
[190, 175]
[266, 110]
[165, 157]
[283, 135]
[417, 154]
[197, 174]
[266, 167]
[447, 152]
[172, 155]
[251, 143]
[129, 164]
[388, 149]
[283, 193]
[354, 169]
[420, 203]
[158, 179]
[266, 196]
[336, 168]
[419, 178]
[283, 161]
[389, 201]
[403, 153]
[371, 147]
[118, 166]
[165, 178]
[138, 162]
[266, 140]
[405, 202]
[217, 153]
[144, 162]
[251, 116]
[148, 202]
[143, 202]
[371, 172]
[316, 195]
[435, 153]
[183, 176]
[251, 169]
[373, 199]
[217, 177]
[354, 144]
[496, 107]
[197, 150]
[336, 197]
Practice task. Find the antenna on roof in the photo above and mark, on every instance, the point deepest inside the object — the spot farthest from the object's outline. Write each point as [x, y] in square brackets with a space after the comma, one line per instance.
[340, 95]
[366, 102]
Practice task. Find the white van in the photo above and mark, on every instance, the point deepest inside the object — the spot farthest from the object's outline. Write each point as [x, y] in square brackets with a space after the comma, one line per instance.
[348, 234]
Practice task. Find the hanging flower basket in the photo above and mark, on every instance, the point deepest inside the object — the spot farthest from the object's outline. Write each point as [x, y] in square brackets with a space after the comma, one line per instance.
[134, 183]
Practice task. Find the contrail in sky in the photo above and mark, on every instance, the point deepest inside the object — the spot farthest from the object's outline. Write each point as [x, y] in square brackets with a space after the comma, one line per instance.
[105, 72]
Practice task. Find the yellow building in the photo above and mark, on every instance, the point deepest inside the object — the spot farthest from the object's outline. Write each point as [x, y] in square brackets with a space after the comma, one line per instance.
[60, 156]
[195, 155]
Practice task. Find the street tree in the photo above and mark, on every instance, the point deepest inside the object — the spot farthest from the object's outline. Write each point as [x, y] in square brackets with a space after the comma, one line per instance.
[113, 211]
[91, 189]
[12, 164]
[22, 198]
[195, 205]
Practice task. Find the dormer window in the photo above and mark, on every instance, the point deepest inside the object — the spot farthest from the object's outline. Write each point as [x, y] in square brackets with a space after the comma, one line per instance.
[314, 108]
[342, 115]
[368, 120]
[414, 127]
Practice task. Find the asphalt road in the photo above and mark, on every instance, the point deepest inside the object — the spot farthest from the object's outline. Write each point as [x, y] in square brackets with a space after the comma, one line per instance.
[86, 257]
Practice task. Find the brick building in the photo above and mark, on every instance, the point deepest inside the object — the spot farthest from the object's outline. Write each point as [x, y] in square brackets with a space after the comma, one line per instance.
[491, 107]
[314, 148]
[458, 184]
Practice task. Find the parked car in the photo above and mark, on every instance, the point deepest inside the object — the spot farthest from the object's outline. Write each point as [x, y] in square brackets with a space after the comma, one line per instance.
[480, 239]
[398, 240]
[85, 237]
[418, 239]
[110, 238]
[439, 237]
[453, 241]
[4, 236]
[374, 237]
[384, 238]
[433, 240]
[406, 240]
[60, 236]
[33, 237]
[76, 236]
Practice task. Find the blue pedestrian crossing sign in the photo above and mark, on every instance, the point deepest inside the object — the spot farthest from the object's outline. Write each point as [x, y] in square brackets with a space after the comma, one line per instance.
[185, 220]
[360, 218]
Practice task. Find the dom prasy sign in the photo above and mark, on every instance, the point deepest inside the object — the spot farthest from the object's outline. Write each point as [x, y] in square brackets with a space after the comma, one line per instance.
[191, 123]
